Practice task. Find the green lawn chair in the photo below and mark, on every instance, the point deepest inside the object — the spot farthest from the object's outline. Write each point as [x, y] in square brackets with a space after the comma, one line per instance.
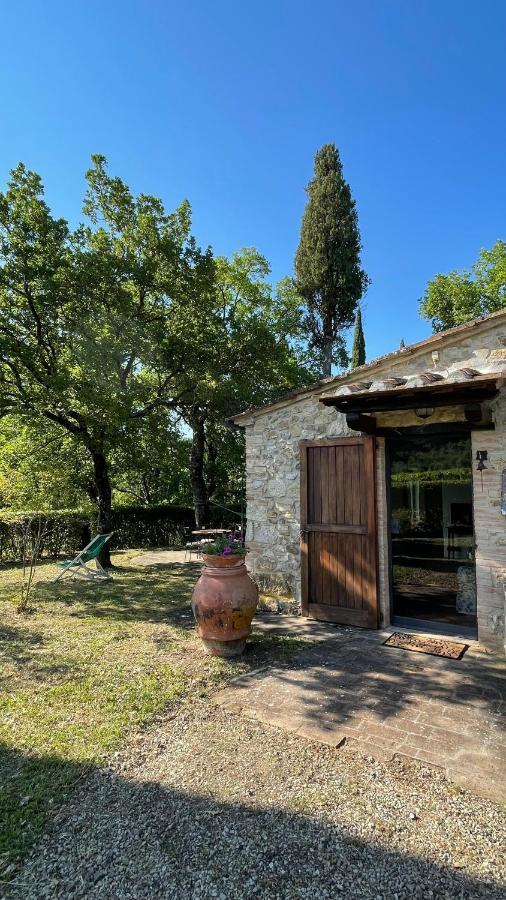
[77, 567]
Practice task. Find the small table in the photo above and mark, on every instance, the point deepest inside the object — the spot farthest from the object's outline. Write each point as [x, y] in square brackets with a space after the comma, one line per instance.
[209, 532]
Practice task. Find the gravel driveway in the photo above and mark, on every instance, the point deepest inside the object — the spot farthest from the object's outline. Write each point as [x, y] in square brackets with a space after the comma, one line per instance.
[206, 804]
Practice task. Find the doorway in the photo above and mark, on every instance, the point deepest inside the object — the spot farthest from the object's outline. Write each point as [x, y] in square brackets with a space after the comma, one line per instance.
[432, 544]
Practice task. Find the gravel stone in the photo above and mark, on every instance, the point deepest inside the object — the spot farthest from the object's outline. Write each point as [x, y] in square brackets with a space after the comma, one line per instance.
[208, 804]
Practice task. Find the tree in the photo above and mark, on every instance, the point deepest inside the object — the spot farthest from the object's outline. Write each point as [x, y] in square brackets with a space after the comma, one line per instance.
[97, 325]
[253, 362]
[328, 271]
[43, 468]
[358, 351]
[457, 297]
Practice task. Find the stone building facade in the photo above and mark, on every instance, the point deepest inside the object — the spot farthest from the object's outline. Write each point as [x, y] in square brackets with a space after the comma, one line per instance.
[273, 436]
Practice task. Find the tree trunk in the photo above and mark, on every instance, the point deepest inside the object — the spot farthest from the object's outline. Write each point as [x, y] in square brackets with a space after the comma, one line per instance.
[199, 487]
[212, 455]
[145, 490]
[327, 356]
[104, 501]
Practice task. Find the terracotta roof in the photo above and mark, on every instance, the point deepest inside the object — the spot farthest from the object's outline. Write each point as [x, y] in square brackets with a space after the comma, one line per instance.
[419, 390]
[360, 386]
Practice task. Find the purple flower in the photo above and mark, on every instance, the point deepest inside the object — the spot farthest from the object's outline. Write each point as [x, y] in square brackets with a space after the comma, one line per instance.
[227, 551]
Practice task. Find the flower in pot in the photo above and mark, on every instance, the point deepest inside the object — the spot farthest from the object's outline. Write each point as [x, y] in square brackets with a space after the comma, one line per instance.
[225, 551]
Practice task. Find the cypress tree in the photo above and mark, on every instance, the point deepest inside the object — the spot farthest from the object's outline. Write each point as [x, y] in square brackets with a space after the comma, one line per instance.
[358, 351]
[328, 272]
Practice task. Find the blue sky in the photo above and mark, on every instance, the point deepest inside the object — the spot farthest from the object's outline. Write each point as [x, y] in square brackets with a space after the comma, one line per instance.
[226, 102]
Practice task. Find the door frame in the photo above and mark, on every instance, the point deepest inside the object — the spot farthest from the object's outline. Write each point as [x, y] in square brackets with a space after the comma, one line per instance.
[368, 441]
[412, 433]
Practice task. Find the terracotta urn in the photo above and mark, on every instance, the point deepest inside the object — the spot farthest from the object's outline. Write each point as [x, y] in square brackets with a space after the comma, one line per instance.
[224, 601]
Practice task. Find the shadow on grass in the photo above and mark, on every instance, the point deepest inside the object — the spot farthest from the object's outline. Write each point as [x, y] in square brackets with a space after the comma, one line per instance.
[131, 595]
[21, 641]
[32, 786]
[123, 838]
[20, 647]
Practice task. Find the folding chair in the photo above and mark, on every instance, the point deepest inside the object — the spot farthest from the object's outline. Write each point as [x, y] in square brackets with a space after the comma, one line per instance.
[77, 566]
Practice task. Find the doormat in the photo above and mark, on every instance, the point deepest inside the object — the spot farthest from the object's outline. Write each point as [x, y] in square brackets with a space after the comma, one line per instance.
[421, 644]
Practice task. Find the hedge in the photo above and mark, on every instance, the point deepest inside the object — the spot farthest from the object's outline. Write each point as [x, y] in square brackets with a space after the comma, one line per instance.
[150, 526]
[67, 531]
[63, 531]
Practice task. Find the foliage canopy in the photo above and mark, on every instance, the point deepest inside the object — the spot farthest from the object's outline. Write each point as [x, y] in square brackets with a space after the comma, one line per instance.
[457, 297]
[97, 323]
[117, 333]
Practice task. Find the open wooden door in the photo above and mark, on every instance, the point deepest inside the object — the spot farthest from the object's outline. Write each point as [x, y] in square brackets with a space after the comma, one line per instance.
[338, 531]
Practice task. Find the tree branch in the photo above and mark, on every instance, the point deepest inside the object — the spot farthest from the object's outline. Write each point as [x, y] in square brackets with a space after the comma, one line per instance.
[62, 420]
[125, 372]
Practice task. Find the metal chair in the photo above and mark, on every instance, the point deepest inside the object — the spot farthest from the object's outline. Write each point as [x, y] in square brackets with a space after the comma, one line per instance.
[192, 547]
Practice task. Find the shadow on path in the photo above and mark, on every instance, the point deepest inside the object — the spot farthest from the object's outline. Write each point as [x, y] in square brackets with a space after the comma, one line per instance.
[361, 674]
[140, 840]
[448, 713]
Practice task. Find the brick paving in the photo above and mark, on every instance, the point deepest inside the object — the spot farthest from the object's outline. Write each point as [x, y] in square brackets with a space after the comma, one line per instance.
[348, 688]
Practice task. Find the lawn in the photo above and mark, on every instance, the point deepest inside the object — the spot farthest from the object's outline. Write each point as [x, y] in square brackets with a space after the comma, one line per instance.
[87, 666]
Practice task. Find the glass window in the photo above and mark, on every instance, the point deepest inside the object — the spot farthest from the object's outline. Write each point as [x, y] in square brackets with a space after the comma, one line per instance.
[432, 536]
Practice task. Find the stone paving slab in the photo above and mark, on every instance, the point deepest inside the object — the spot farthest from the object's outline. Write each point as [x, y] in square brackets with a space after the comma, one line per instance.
[301, 627]
[385, 702]
[161, 558]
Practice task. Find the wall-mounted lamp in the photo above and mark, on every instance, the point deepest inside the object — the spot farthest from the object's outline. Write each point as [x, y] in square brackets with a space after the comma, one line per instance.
[424, 412]
[481, 456]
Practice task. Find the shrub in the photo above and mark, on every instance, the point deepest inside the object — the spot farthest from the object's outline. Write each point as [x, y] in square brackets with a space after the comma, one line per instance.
[150, 526]
[64, 531]
[67, 531]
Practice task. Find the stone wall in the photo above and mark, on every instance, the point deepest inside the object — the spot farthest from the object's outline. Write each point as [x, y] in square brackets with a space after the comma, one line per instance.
[490, 527]
[273, 489]
[272, 472]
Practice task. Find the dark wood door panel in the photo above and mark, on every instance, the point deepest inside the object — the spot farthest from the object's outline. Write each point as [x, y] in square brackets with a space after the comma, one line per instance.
[337, 485]
[341, 616]
[338, 531]
[339, 568]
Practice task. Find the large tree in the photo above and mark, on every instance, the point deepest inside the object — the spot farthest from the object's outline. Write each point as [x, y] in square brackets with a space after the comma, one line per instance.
[328, 271]
[457, 297]
[98, 324]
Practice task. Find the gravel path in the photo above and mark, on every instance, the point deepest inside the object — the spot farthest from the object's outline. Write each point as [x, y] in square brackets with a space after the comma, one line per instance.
[210, 805]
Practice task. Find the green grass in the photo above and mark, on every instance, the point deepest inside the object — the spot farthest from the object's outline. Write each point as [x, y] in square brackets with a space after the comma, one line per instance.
[85, 668]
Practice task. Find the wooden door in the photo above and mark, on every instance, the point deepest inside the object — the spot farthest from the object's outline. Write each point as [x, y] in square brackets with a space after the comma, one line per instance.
[338, 531]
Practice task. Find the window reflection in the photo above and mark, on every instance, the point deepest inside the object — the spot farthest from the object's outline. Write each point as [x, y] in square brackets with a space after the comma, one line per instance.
[432, 529]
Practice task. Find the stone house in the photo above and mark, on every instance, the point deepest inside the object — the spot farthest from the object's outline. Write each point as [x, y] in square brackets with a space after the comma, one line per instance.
[378, 497]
